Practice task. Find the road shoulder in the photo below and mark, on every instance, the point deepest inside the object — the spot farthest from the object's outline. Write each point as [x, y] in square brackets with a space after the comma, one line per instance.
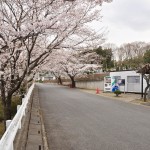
[125, 97]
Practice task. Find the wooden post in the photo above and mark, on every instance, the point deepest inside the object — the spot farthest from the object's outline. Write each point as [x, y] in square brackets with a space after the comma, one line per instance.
[142, 87]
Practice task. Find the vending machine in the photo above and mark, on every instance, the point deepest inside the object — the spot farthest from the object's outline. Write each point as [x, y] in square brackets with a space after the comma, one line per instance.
[112, 83]
[107, 84]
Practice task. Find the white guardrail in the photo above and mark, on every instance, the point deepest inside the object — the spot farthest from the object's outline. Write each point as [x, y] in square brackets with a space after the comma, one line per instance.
[6, 142]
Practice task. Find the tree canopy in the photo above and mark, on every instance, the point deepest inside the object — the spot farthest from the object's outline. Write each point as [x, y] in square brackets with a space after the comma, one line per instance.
[30, 30]
[147, 56]
[106, 56]
[71, 63]
[132, 56]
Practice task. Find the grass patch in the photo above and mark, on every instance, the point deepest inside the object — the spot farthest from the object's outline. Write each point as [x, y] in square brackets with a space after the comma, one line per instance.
[141, 101]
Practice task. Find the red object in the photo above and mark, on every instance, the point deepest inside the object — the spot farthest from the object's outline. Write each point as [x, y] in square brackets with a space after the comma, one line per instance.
[97, 91]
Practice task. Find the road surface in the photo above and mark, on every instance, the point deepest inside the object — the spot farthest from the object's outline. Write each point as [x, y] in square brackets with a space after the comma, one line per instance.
[75, 120]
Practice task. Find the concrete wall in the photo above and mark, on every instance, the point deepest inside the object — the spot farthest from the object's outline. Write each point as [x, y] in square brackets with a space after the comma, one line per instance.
[90, 84]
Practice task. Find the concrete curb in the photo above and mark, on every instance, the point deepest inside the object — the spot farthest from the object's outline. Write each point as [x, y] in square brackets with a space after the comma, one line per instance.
[21, 137]
[32, 135]
[46, 147]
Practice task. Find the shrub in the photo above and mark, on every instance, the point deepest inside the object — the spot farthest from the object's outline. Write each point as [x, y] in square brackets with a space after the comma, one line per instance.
[40, 81]
[117, 92]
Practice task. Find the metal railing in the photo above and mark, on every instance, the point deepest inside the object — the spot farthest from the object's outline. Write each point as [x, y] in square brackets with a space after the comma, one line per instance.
[6, 142]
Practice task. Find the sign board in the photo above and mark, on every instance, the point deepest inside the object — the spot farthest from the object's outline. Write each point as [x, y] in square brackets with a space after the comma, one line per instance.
[121, 82]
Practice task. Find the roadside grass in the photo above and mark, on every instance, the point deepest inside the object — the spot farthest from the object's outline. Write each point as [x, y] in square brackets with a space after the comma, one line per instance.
[141, 101]
[15, 101]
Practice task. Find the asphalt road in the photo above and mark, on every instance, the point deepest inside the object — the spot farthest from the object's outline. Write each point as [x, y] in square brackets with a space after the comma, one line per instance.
[75, 120]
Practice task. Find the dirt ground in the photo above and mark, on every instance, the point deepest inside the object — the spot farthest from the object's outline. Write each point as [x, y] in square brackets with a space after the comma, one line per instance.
[127, 97]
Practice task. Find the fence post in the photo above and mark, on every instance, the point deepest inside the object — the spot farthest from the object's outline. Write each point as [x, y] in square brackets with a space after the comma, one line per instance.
[18, 106]
[12, 126]
[8, 123]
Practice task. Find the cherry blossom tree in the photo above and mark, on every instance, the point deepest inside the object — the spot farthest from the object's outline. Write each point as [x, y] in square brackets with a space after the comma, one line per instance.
[53, 65]
[72, 63]
[31, 29]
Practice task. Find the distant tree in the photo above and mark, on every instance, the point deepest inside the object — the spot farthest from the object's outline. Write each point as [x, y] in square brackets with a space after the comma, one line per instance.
[131, 55]
[78, 63]
[71, 63]
[146, 57]
[106, 57]
[58, 77]
[133, 63]
[131, 50]
[52, 64]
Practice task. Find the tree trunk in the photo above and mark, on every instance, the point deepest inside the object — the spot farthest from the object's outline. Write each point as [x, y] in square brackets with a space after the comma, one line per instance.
[59, 81]
[145, 92]
[6, 103]
[73, 85]
[7, 112]
[6, 109]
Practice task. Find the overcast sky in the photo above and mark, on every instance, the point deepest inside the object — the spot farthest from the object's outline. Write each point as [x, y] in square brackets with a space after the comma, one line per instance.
[127, 21]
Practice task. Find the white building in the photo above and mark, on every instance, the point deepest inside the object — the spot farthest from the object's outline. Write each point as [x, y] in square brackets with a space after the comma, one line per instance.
[132, 80]
[44, 75]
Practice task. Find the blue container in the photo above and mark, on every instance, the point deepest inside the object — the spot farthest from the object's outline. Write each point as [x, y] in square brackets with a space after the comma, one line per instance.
[115, 88]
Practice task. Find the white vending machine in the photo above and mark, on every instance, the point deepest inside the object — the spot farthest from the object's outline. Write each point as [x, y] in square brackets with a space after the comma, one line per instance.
[107, 84]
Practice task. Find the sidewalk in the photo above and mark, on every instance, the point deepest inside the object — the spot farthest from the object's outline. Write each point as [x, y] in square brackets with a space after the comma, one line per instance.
[36, 138]
[32, 136]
